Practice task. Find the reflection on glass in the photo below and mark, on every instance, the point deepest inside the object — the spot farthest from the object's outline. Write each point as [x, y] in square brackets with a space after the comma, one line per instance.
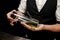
[30, 21]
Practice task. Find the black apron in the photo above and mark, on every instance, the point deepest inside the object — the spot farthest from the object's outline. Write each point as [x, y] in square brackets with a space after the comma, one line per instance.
[45, 16]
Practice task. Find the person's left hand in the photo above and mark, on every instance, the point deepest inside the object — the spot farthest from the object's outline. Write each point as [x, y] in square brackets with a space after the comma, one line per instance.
[38, 28]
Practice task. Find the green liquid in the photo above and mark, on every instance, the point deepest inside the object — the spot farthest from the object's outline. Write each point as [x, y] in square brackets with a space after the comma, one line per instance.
[32, 24]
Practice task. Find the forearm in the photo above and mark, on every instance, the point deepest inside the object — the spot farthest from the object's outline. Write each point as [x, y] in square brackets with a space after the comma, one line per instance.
[53, 28]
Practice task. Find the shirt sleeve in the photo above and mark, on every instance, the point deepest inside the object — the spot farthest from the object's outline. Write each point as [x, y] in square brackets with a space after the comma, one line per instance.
[22, 6]
[58, 11]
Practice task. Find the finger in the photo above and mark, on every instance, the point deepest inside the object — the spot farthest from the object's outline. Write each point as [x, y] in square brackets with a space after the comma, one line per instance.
[14, 20]
[20, 13]
[11, 24]
[27, 26]
[13, 11]
[9, 14]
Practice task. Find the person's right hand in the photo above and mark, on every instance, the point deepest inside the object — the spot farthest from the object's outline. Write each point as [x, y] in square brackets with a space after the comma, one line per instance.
[11, 20]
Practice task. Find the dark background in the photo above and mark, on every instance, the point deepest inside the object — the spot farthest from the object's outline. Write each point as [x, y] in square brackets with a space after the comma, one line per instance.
[5, 7]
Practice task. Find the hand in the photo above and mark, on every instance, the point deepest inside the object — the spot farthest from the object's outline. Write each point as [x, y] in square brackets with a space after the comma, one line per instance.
[38, 28]
[10, 18]
[27, 26]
